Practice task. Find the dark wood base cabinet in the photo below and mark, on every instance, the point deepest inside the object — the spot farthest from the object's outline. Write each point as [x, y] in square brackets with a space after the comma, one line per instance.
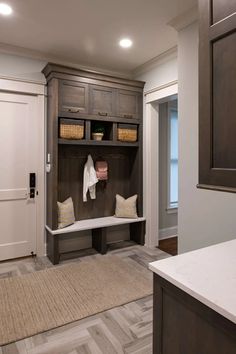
[183, 325]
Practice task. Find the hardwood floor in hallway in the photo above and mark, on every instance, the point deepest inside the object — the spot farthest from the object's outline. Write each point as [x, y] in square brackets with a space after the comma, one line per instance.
[125, 329]
[169, 245]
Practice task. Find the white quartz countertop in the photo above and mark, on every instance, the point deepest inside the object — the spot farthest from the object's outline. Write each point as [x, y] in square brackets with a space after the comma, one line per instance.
[207, 274]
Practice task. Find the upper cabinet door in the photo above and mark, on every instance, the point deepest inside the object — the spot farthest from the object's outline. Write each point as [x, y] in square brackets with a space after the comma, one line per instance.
[102, 101]
[73, 97]
[222, 9]
[129, 104]
[217, 94]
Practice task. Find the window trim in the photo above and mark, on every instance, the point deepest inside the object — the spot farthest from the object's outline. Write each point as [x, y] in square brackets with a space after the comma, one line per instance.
[171, 208]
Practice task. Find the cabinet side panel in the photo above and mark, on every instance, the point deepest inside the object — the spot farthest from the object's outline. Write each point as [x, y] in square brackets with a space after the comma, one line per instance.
[136, 174]
[224, 98]
[183, 325]
[52, 150]
[204, 95]
[184, 331]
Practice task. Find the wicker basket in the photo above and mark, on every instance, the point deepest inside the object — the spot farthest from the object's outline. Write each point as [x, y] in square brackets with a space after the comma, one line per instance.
[127, 132]
[71, 129]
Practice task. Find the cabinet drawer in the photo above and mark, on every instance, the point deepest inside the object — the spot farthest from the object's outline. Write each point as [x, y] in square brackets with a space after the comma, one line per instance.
[102, 101]
[129, 104]
[73, 97]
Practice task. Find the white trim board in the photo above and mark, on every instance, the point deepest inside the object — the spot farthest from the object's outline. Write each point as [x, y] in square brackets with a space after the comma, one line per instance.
[162, 93]
[151, 159]
[168, 232]
[155, 89]
[21, 86]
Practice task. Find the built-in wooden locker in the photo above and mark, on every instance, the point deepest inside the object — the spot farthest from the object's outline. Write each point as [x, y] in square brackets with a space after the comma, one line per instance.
[217, 95]
[91, 98]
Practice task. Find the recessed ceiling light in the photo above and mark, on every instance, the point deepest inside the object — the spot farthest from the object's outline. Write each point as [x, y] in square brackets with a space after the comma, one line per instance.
[5, 9]
[125, 43]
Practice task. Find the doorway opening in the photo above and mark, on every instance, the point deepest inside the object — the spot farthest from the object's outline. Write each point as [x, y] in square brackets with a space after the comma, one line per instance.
[168, 175]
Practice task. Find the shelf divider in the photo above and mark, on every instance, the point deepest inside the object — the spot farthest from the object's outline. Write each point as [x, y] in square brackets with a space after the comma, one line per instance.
[87, 129]
[97, 143]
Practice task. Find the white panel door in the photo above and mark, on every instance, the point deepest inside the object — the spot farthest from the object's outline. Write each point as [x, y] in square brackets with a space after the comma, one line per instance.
[18, 157]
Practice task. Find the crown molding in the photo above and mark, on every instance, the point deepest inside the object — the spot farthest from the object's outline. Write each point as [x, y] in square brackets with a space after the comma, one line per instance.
[185, 19]
[22, 79]
[37, 55]
[154, 62]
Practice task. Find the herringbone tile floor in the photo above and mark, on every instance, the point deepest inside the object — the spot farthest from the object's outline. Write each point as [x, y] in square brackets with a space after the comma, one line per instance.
[125, 329]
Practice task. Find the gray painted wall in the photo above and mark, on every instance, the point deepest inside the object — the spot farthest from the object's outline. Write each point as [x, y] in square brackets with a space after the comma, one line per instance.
[164, 72]
[17, 67]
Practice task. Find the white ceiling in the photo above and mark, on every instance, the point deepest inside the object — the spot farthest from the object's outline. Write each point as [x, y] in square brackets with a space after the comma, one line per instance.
[87, 32]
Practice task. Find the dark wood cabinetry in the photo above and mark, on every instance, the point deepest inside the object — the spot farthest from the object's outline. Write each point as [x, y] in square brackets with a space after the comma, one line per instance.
[73, 97]
[112, 102]
[217, 95]
[221, 9]
[184, 325]
[92, 98]
[128, 104]
[102, 101]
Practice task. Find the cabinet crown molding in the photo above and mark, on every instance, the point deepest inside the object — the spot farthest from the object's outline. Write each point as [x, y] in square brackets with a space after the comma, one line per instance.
[54, 71]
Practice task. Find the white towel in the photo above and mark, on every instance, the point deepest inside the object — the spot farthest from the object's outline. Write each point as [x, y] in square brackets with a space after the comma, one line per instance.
[90, 179]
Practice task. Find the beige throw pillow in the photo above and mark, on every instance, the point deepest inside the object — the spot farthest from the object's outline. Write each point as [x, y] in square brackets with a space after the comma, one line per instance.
[126, 208]
[66, 214]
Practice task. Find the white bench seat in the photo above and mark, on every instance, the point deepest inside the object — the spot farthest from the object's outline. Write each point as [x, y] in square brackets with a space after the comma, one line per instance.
[98, 226]
[96, 223]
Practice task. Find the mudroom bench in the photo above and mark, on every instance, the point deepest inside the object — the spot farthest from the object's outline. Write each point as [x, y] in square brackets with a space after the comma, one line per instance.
[98, 226]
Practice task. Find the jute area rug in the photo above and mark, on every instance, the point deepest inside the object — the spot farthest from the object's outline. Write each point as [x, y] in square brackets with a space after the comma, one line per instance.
[50, 298]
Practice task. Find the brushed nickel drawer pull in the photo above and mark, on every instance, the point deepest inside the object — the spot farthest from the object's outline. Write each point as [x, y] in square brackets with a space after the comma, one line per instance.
[102, 113]
[128, 115]
[73, 110]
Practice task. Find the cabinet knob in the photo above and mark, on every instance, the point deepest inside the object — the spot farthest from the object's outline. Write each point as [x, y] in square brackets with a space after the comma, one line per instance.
[128, 115]
[73, 110]
[102, 113]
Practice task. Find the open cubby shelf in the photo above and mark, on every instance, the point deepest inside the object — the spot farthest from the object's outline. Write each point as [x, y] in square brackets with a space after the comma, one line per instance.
[110, 137]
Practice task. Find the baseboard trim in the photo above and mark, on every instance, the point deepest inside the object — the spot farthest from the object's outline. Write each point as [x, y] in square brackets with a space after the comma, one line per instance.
[168, 232]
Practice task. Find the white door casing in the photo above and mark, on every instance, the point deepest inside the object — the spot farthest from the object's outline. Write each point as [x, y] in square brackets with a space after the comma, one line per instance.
[20, 141]
[151, 161]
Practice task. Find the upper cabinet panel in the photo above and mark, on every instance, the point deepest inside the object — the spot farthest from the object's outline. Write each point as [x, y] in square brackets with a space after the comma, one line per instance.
[93, 95]
[129, 104]
[73, 97]
[224, 99]
[102, 100]
[221, 9]
[217, 95]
